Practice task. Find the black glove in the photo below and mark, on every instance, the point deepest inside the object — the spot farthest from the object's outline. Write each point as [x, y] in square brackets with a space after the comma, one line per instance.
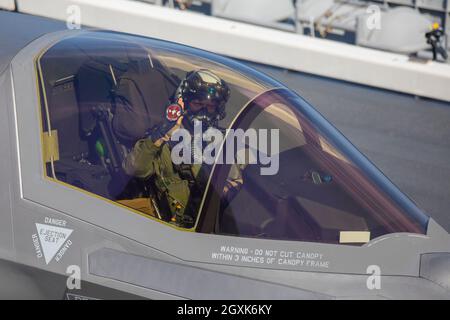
[162, 132]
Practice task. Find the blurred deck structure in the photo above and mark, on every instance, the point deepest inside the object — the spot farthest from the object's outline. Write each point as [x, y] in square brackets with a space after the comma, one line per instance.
[341, 21]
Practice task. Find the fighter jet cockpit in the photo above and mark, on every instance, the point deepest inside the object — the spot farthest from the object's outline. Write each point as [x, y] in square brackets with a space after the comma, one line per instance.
[113, 110]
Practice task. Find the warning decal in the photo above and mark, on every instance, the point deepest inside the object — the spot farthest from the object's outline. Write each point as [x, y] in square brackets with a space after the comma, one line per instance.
[52, 239]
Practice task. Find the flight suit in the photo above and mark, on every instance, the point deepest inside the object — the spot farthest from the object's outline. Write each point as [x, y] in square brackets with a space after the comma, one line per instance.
[147, 159]
[175, 184]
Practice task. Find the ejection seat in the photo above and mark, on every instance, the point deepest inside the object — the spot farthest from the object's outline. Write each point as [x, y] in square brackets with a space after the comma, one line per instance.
[118, 105]
[95, 84]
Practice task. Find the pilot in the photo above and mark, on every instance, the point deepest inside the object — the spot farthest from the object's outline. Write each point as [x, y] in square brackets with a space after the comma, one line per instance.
[201, 96]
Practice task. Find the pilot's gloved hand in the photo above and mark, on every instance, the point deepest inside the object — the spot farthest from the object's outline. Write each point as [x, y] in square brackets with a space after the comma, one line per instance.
[163, 132]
